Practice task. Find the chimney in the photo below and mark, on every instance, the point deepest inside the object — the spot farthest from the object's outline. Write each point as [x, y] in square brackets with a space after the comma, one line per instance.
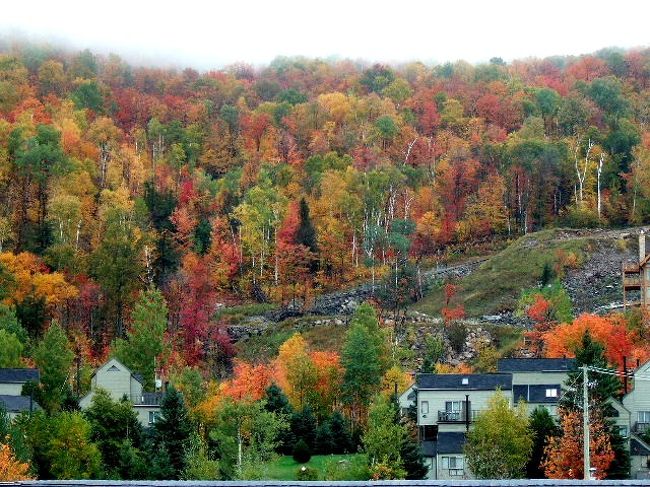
[641, 246]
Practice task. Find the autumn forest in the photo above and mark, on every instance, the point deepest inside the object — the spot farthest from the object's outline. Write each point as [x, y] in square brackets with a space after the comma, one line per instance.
[139, 204]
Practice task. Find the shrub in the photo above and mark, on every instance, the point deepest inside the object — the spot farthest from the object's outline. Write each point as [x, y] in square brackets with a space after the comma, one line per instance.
[307, 473]
[301, 452]
[457, 334]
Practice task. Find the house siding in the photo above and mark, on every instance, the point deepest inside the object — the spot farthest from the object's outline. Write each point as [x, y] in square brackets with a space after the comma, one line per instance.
[10, 389]
[436, 402]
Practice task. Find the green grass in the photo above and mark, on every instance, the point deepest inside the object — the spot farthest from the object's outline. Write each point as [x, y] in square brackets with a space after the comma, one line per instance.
[286, 468]
[242, 311]
[497, 284]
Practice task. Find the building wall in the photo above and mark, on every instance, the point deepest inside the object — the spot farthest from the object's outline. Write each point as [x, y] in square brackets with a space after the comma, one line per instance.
[436, 402]
[539, 378]
[444, 473]
[639, 398]
[10, 389]
[639, 467]
[143, 413]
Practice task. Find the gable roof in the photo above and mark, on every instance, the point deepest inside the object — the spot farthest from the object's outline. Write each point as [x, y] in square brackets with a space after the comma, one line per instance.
[535, 364]
[536, 393]
[18, 376]
[17, 404]
[639, 447]
[475, 382]
[451, 442]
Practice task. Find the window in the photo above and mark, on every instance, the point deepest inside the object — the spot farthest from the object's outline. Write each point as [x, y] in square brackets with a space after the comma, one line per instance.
[424, 407]
[153, 415]
[465, 381]
[455, 466]
[622, 430]
[453, 406]
[644, 416]
[551, 392]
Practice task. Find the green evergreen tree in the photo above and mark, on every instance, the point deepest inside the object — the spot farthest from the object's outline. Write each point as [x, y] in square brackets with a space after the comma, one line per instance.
[145, 340]
[111, 424]
[303, 426]
[173, 430]
[542, 426]
[277, 402]
[362, 359]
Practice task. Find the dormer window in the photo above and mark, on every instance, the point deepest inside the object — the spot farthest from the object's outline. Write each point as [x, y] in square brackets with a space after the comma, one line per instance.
[465, 381]
[113, 369]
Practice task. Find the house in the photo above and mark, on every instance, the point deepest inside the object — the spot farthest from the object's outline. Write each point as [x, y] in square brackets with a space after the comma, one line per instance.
[637, 403]
[11, 388]
[13, 380]
[446, 406]
[636, 277]
[538, 381]
[406, 399]
[15, 405]
[120, 382]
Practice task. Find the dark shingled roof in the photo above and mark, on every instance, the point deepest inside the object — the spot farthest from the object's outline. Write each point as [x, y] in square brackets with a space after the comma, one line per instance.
[535, 393]
[475, 382]
[638, 447]
[535, 364]
[451, 442]
[18, 376]
[17, 404]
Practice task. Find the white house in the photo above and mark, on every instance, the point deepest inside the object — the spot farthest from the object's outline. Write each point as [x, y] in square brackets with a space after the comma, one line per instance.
[120, 382]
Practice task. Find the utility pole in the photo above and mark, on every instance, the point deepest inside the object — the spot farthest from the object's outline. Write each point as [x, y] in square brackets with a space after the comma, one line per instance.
[585, 418]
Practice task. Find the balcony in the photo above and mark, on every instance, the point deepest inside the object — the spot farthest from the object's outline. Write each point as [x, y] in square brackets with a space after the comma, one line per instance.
[640, 427]
[457, 416]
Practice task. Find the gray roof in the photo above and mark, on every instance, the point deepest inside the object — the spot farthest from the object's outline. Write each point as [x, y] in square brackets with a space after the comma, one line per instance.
[638, 447]
[149, 399]
[18, 376]
[536, 393]
[17, 404]
[535, 364]
[451, 442]
[475, 382]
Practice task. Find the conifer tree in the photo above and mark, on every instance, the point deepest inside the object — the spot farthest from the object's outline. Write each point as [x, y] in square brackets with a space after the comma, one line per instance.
[173, 429]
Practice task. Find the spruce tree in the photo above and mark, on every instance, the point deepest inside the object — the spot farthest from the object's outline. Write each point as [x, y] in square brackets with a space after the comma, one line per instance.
[543, 426]
[173, 429]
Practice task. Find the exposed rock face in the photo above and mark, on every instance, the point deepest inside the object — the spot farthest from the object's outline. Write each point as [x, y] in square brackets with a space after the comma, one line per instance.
[345, 302]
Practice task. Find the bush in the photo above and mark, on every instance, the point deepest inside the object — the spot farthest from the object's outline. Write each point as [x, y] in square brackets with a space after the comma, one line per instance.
[457, 334]
[301, 452]
[307, 473]
[355, 468]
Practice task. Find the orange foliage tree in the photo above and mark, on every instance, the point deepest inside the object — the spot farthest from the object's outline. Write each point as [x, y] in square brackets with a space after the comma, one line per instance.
[12, 469]
[564, 454]
[610, 331]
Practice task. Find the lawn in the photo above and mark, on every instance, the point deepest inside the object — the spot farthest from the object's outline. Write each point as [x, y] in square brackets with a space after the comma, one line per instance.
[286, 468]
[497, 284]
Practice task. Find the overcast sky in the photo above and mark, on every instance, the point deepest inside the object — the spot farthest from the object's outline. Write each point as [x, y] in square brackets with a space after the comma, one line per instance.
[211, 33]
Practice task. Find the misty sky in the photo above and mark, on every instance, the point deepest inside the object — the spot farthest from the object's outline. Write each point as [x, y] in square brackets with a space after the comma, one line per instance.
[209, 34]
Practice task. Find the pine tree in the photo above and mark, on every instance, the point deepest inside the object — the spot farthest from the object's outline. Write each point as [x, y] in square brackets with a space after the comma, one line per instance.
[173, 429]
[543, 427]
[306, 234]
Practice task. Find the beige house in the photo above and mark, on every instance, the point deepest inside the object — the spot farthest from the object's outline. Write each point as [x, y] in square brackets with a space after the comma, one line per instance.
[538, 381]
[446, 407]
[11, 387]
[120, 382]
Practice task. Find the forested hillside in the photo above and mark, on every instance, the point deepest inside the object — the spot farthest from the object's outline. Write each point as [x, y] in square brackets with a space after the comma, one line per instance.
[153, 215]
[278, 183]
